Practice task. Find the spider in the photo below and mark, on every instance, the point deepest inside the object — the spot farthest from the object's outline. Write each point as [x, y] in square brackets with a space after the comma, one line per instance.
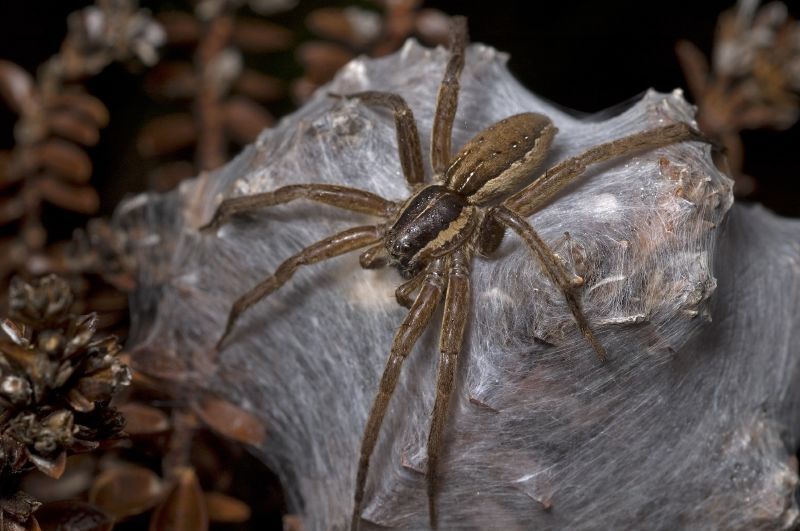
[432, 237]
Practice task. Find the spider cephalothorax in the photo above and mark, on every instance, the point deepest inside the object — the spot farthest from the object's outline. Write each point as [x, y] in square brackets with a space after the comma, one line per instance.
[431, 224]
[441, 217]
[489, 186]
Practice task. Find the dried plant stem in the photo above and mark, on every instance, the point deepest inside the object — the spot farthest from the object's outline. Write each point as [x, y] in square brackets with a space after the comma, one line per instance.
[39, 181]
[212, 141]
[178, 455]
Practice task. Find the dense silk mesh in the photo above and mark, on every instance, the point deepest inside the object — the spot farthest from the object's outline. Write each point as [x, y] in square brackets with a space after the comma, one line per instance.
[691, 423]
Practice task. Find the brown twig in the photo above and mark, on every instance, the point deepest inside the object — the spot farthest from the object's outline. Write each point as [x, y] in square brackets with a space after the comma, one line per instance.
[211, 141]
[225, 97]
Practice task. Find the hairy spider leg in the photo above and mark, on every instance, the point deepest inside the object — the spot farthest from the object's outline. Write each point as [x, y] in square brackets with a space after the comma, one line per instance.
[551, 182]
[375, 257]
[447, 99]
[444, 116]
[336, 245]
[454, 322]
[414, 323]
[553, 268]
[408, 144]
[343, 197]
[513, 211]
[405, 291]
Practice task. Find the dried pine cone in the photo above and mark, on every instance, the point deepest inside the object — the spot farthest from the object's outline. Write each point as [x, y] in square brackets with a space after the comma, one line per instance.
[56, 380]
[16, 510]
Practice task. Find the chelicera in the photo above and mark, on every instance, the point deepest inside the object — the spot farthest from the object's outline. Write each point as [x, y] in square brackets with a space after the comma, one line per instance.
[432, 238]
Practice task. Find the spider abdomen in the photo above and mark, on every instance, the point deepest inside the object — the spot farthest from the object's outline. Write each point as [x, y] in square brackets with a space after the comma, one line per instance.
[432, 222]
[500, 158]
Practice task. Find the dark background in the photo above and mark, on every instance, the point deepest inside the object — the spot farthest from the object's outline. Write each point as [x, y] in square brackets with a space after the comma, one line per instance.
[584, 55]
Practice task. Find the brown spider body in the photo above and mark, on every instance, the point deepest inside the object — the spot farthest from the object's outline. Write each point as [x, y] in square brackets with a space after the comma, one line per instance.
[430, 225]
[496, 161]
[486, 188]
[442, 217]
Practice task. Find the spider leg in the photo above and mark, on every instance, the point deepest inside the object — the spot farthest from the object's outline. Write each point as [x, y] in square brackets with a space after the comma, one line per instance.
[375, 257]
[339, 196]
[535, 195]
[456, 313]
[447, 99]
[408, 144]
[415, 322]
[553, 268]
[404, 291]
[338, 244]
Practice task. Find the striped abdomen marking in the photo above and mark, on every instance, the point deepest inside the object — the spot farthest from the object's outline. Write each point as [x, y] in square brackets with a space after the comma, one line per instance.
[431, 224]
[500, 158]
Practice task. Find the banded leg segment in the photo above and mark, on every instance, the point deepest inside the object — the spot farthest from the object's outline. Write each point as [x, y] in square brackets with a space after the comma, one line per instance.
[415, 322]
[338, 244]
[405, 291]
[454, 321]
[539, 192]
[447, 99]
[343, 197]
[408, 143]
[375, 257]
[553, 268]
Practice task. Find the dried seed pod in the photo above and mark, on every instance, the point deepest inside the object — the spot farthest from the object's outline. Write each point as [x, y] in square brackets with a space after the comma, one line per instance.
[56, 379]
[46, 302]
[12, 208]
[260, 87]
[231, 421]
[182, 29]
[126, 490]
[432, 25]
[17, 88]
[80, 102]
[73, 515]
[141, 419]
[65, 159]
[81, 199]
[16, 512]
[52, 466]
[351, 25]
[173, 80]
[166, 134]
[225, 509]
[302, 89]
[73, 127]
[184, 508]
[244, 119]
[6, 177]
[292, 522]
[322, 59]
[167, 176]
[259, 36]
[271, 7]
[102, 249]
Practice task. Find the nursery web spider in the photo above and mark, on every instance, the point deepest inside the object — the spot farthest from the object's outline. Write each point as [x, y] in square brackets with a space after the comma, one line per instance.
[432, 237]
